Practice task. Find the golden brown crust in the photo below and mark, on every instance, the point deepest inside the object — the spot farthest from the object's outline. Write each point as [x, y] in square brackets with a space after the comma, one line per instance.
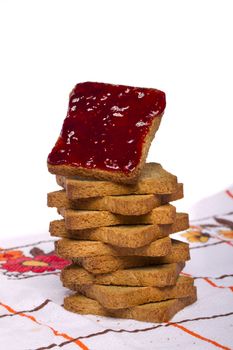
[160, 276]
[105, 263]
[119, 297]
[123, 205]
[116, 176]
[152, 312]
[73, 249]
[129, 236]
[82, 219]
[153, 179]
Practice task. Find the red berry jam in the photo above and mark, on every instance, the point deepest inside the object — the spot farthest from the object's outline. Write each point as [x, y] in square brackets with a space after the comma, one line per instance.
[106, 126]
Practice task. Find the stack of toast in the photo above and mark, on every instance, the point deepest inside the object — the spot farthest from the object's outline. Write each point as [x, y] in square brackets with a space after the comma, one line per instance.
[124, 264]
[116, 233]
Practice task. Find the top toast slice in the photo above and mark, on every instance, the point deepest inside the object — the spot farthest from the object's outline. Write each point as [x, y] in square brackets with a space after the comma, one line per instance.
[153, 180]
[107, 131]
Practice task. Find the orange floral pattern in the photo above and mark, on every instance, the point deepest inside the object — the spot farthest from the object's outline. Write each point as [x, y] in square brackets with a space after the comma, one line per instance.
[9, 255]
[195, 235]
[226, 233]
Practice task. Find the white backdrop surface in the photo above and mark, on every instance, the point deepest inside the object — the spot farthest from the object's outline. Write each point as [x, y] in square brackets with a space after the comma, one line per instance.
[181, 47]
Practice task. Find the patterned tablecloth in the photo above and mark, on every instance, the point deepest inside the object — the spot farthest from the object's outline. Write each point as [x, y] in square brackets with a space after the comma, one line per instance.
[31, 296]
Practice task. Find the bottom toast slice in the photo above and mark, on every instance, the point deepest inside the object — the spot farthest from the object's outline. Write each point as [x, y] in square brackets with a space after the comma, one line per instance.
[120, 297]
[161, 311]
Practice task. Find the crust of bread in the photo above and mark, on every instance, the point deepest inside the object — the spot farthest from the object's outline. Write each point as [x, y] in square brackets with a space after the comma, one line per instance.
[129, 236]
[115, 176]
[73, 249]
[74, 276]
[106, 263]
[120, 297]
[157, 312]
[123, 205]
[153, 180]
[82, 219]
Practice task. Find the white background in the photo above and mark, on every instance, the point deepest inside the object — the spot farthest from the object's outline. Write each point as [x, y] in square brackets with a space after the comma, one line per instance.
[181, 47]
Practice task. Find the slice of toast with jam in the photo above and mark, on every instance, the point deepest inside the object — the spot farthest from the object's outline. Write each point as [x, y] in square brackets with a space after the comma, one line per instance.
[107, 132]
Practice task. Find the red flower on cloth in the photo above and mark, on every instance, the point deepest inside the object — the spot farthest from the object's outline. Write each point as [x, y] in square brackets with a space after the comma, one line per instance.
[38, 264]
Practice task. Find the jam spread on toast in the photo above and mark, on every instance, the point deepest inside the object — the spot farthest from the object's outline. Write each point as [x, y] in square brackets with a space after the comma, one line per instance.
[106, 126]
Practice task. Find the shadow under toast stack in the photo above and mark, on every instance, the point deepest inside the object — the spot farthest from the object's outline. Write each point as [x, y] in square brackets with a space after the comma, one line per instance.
[124, 264]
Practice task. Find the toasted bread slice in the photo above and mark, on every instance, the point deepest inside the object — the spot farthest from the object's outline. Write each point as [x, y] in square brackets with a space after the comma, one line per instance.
[129, 236]
[153, 179]
[120, 297]
[73, 249]
[73, 276]
[124, 205]
[82, 219]
[157, 312]
[116, 176]
[107, 132]
[106, 263]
